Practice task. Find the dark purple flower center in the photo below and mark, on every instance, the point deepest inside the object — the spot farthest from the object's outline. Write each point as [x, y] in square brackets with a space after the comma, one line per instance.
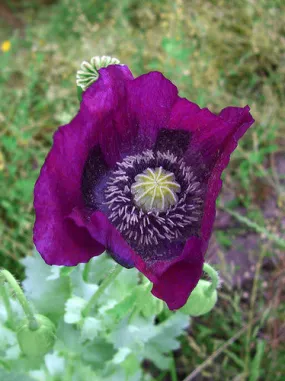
[153, 198]
[149, 226]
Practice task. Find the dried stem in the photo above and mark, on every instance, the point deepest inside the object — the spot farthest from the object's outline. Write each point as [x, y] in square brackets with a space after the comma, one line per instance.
[211, 358]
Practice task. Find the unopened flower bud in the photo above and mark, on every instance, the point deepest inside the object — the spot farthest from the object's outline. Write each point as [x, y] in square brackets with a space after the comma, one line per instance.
[38, 340]
[202, 299]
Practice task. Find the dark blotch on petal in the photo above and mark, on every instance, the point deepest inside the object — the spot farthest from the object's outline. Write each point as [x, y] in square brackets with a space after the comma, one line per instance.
[164, 251]
[175, 141]
[95, 167]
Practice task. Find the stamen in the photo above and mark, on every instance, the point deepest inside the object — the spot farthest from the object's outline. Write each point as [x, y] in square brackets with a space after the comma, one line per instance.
[153, 198]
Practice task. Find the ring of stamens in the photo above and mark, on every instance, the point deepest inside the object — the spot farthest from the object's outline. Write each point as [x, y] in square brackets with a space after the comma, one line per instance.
[143, 218]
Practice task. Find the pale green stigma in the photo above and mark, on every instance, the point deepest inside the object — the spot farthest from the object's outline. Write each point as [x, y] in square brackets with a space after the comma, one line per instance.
[155, 189]
[89, 70]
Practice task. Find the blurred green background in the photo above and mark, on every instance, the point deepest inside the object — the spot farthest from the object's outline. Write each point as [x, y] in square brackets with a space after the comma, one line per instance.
[218, 53]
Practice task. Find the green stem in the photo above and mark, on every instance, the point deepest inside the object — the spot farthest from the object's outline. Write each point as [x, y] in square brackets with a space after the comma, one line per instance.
[106, 282]
[162, 376]
[7, 305]
[86, 271]
[21, 298]
[173, 370]
[213, 274]
[70, 366]
[138, 306]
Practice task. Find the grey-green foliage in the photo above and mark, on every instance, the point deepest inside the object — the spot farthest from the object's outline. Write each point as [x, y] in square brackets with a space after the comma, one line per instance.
[127, 326]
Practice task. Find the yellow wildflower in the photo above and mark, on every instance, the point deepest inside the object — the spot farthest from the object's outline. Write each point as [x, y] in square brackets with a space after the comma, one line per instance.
[6, 46]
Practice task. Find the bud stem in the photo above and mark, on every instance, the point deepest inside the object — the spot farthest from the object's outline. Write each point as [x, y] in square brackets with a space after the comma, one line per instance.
[7, 306]
[33, 324]
[138, 306]
[106, 282]
[213, 274]
[86, 271]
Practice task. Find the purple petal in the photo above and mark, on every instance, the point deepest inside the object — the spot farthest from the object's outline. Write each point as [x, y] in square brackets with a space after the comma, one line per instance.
[104, 232]
[237, 121]
[106, 92]
[177, 279]
[60, 242]
[213, 133]
[238, 118]
[58, 189]
[183, 114]
[213, 139]
[209, 132]
[106, 103]
[173, 280]
[150, 100]
[73, 245]
[216, 137]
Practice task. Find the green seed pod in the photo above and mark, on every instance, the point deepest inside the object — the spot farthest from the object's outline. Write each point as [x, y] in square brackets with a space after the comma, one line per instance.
[88, 72]
[201, 301]
[38, 341]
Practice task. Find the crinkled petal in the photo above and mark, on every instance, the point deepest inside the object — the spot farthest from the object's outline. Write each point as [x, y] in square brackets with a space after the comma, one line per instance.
[106, 103]
[177, 279]
[237, 121]
[58, 188]
[150, 100]
[56, 192]
[213, 132]
[239, 118]
[104, 232]
[213, 139]
[216, 138]
[173, 280]
[208, 132]
[183, 114]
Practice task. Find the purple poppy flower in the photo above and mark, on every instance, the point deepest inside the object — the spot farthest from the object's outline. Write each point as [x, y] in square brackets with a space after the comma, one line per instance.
[137, 172]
